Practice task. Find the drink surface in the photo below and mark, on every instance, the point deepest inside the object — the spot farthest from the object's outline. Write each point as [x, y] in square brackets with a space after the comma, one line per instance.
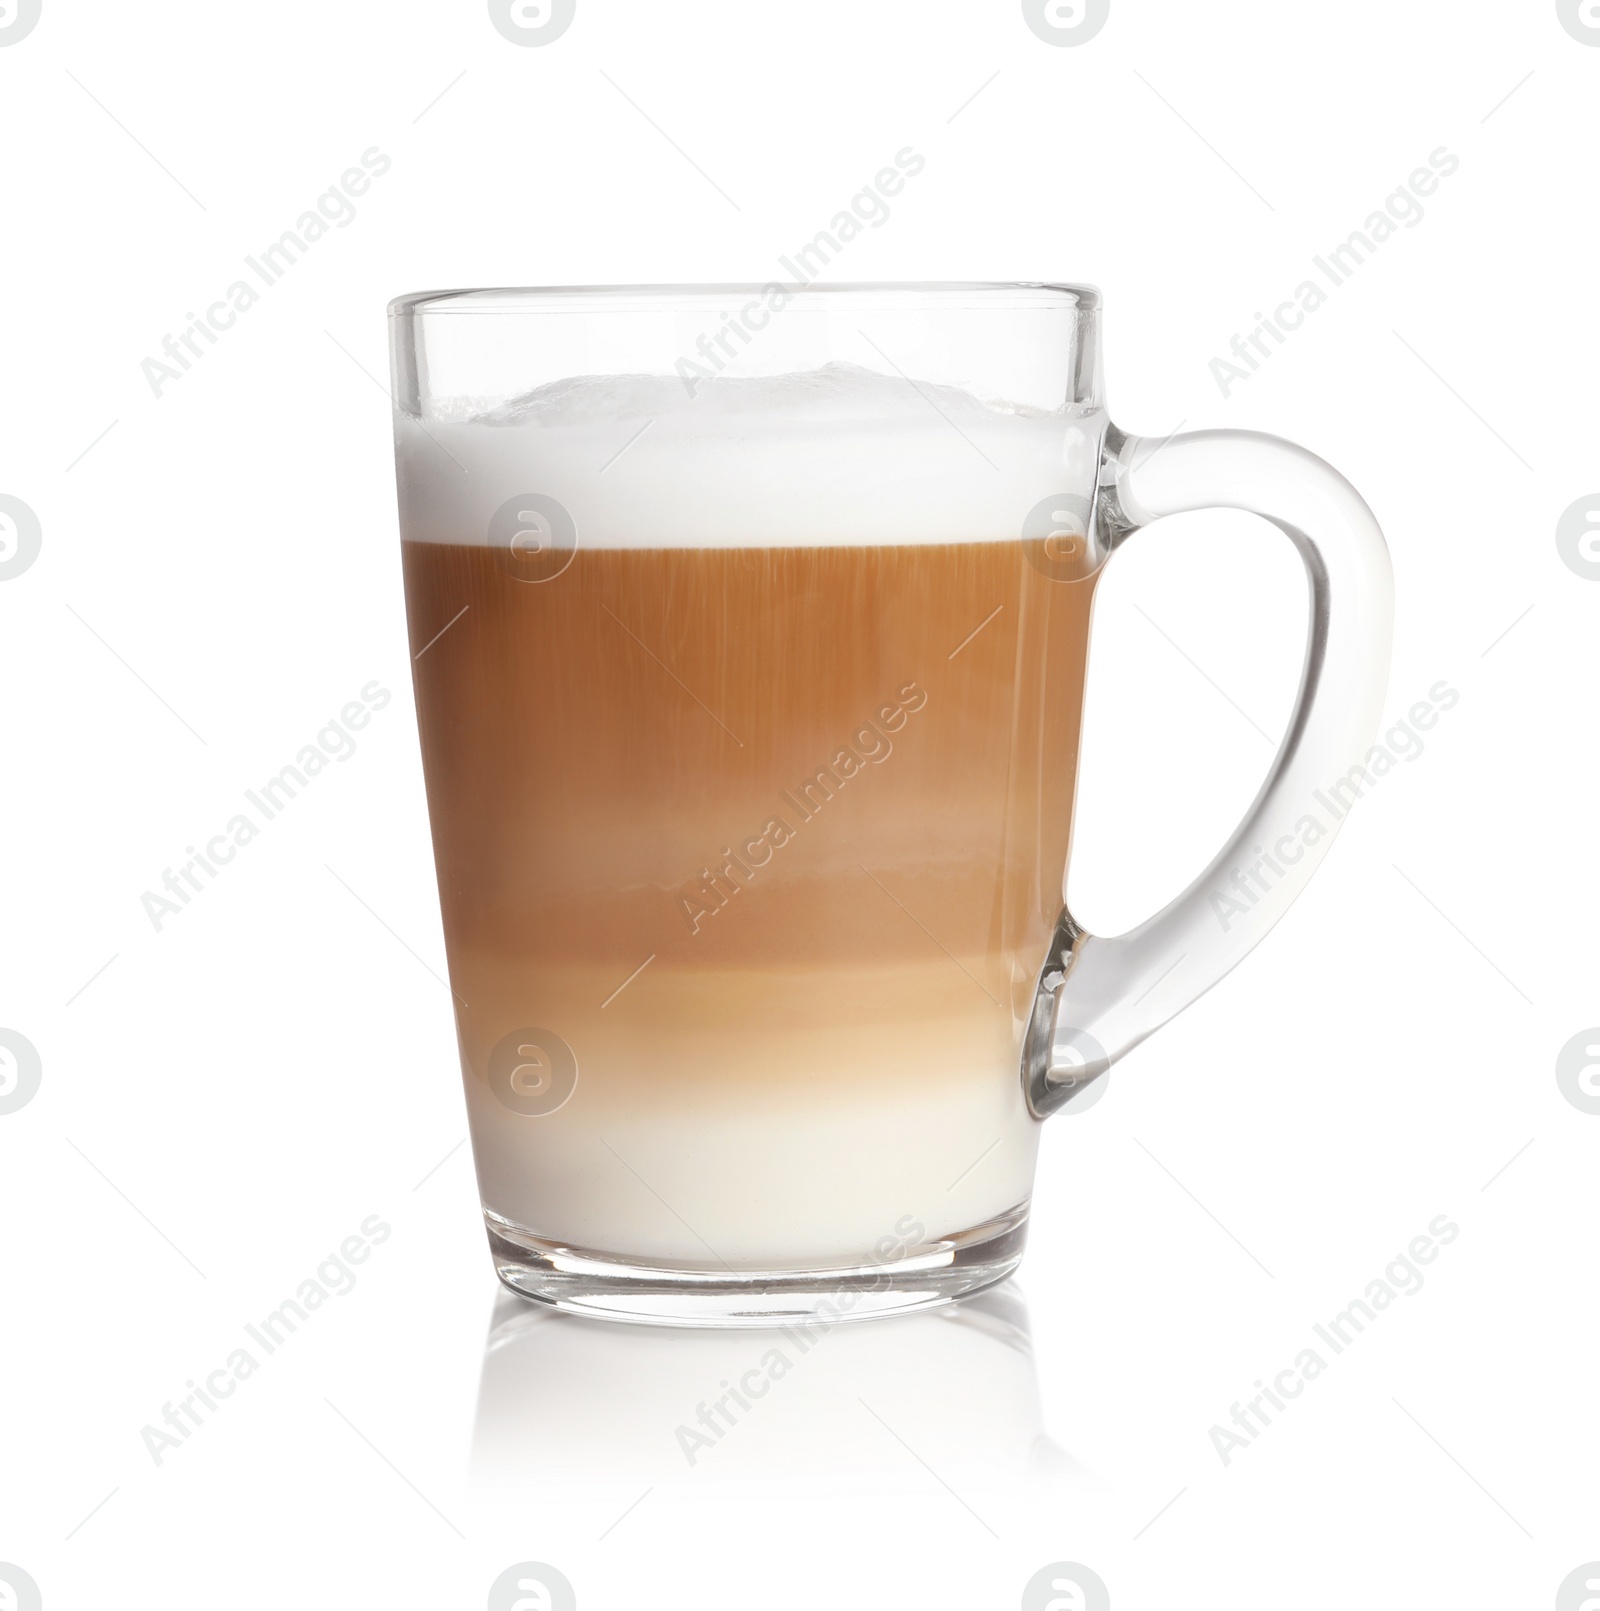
[773, 838]
[834, 456]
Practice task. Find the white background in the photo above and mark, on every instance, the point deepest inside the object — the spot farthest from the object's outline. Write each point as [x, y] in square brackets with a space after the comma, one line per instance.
[218, 576]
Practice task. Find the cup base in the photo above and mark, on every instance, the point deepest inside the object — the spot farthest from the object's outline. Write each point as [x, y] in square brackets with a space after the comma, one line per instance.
[581, 1281]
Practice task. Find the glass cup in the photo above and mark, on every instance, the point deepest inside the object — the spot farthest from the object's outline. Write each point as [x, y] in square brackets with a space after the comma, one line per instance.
[749, 629]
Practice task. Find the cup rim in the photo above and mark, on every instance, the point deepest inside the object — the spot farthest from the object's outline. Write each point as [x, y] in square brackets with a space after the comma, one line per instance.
[816, 297]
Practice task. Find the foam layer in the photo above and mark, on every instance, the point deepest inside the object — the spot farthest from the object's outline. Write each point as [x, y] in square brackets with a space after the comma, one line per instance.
[837, 455]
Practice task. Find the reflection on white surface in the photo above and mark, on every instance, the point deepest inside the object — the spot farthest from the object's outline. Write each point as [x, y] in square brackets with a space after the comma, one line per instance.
[582, 1405]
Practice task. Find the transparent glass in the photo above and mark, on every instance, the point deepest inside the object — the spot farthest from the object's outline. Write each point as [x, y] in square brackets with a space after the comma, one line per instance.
[749, 628]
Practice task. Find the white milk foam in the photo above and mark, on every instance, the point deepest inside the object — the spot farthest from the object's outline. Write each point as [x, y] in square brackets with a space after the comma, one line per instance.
[837, 455]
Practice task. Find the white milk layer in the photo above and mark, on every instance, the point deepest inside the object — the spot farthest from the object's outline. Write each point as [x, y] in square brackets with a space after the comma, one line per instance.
[807, 1160]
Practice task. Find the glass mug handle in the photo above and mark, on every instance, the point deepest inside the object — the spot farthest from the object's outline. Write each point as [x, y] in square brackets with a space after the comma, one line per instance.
[1098, 997]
